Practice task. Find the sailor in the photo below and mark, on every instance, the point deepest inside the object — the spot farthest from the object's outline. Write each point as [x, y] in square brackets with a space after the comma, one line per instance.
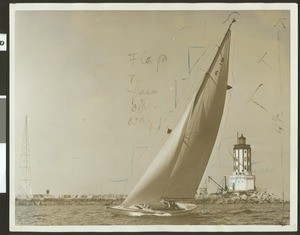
[173, 205]
[166, 203]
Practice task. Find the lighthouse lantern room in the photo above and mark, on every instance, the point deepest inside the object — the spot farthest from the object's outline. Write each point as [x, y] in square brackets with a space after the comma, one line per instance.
[241, 178]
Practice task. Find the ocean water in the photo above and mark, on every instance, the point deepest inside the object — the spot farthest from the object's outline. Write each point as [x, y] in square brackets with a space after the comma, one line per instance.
[204, 214]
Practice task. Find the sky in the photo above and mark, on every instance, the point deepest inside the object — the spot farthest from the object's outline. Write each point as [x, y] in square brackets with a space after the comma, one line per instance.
[100, 88]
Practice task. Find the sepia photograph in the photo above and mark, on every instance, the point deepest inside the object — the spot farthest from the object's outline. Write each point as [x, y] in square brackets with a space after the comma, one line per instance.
[153, 117]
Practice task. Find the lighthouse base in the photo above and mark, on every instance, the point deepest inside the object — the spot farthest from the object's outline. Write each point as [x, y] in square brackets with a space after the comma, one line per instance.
[241, 183]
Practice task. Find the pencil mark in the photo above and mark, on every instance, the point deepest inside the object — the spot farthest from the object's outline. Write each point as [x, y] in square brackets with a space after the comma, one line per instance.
[278, 117]
[274, 118]
[175, 95]
[278, 24]
[173, 33]
[282, 223]
[161, 59]
[256, 162]
[119, 180]
[161, 119]
[254, 92]
[136, 58]
[279, 130]
[259, 105]
[159, 124]
[261, 59]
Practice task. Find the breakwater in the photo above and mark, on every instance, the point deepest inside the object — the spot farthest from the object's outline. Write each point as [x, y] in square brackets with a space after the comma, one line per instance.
[70, 200]
[111, 199]
[240, 197]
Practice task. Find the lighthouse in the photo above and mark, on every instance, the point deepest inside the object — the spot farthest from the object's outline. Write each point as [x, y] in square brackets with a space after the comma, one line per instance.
[241, 178]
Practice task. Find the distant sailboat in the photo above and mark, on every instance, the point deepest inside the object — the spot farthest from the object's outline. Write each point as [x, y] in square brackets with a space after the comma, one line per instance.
[178, 168]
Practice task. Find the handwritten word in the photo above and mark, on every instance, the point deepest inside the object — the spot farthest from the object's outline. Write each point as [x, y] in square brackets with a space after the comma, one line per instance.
[141, 104]
[134, 120]
[136, 90]
[136, 58]
[139, 101]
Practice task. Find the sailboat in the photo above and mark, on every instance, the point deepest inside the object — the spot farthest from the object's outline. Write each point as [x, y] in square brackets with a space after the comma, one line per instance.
[178, 167]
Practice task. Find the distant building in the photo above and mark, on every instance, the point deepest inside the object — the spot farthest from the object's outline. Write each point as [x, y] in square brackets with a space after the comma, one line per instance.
[242, 178]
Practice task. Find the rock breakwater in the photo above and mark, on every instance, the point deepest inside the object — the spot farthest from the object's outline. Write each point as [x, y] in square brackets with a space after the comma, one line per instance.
[241, 197]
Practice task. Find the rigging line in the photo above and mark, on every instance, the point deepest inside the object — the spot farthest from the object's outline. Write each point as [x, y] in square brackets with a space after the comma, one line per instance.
[231, 154]
[189, 57]
[212, 79]
[208, 46]
[186, 143]
[211, 50]
[194, 89]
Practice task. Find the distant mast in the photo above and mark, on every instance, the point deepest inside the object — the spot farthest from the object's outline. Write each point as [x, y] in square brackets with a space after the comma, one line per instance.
[24, 188]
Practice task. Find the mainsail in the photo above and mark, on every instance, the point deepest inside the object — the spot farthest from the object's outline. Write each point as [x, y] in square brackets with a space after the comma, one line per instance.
[179, 166]
[155, 180]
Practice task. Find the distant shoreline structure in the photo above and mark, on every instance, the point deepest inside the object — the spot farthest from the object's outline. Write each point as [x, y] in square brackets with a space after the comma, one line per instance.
[111, 199]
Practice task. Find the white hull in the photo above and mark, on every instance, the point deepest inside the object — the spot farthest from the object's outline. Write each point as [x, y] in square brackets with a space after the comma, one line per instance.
[138, 211]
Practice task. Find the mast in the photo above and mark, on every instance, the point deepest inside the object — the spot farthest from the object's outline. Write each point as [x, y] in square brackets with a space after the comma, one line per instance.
[203, 126]
[24, 181]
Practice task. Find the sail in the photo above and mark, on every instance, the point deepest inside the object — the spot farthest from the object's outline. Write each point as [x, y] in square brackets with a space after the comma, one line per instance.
[155, 180]
[202, 128]
[180, 164]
